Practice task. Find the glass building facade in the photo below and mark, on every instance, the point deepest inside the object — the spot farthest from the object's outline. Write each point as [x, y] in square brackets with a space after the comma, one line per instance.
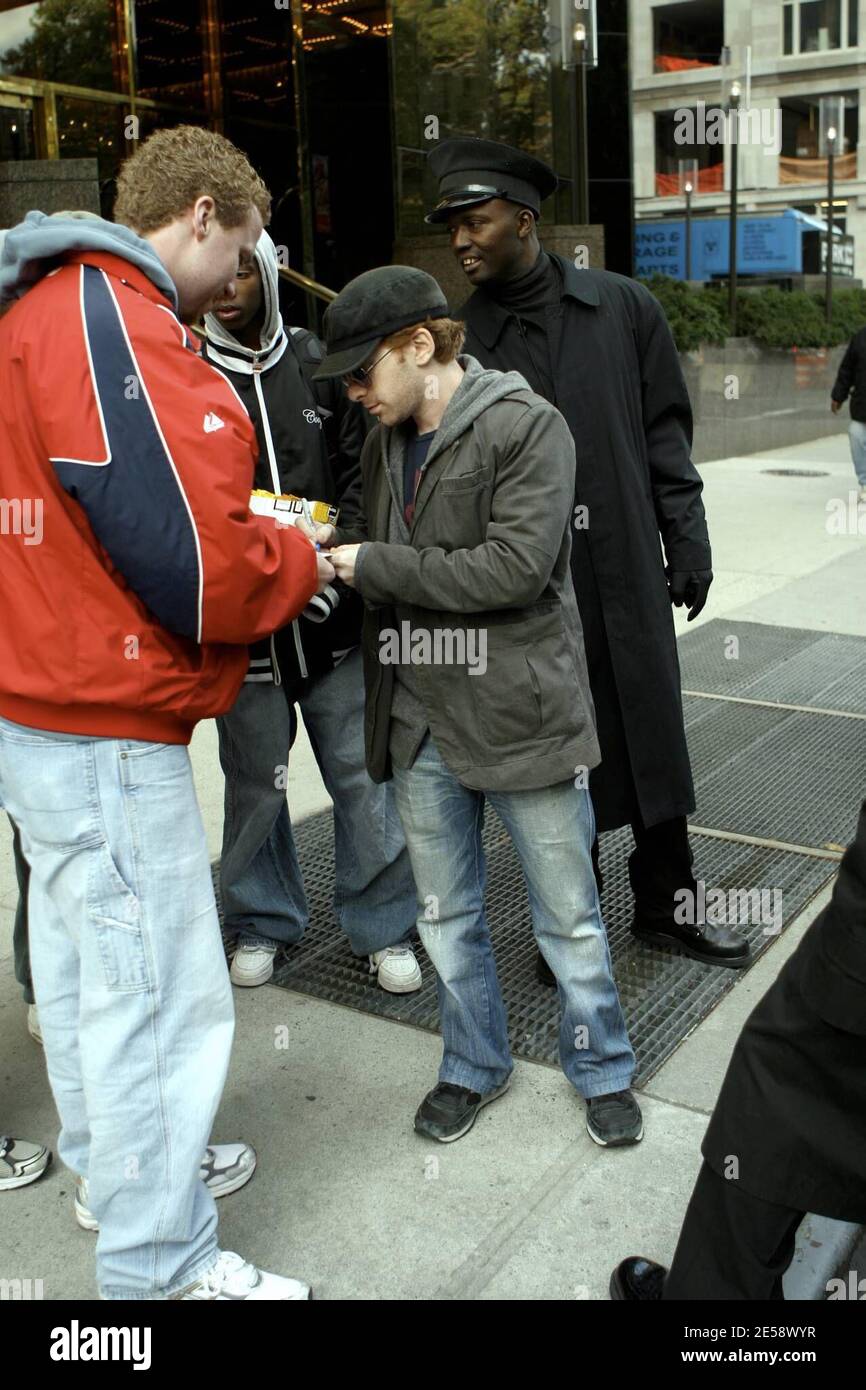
[336, 102]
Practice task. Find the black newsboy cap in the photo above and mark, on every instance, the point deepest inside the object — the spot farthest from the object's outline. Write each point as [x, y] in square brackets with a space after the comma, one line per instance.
[471, 170]
[370, 308]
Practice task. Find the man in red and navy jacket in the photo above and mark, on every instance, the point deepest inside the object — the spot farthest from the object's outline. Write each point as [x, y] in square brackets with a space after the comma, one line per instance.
[134, 576]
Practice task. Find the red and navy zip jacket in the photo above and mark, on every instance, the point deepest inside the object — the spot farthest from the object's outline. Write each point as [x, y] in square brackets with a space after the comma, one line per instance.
[133, 573]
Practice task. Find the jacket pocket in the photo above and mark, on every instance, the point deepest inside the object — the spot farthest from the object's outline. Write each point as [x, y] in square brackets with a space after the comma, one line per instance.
[507, 708]
[555, 684]
[464, 482]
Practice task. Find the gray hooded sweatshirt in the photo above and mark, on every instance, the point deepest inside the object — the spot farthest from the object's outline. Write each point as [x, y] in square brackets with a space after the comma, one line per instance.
[40, 243]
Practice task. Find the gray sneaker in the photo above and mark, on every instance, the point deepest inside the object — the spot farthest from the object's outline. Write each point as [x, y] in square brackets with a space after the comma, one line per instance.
[21, 1162]
[224, 1168]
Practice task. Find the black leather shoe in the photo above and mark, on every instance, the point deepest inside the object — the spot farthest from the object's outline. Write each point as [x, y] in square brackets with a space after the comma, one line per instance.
[706, 942]
[636, 1280]
[543, 973]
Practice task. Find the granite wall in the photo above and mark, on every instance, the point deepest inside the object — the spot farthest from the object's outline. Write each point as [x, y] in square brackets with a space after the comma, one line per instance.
[50, 185]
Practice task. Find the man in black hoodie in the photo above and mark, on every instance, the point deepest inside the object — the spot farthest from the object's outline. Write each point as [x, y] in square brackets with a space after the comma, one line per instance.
[310, 441]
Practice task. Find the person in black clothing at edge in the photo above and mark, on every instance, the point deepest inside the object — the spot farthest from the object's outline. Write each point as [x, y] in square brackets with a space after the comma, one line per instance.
[788, 1133]
[310, 438]
[851, 382]
[597, 345]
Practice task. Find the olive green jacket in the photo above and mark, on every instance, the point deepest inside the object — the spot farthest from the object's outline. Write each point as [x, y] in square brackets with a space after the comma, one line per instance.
[486, 561]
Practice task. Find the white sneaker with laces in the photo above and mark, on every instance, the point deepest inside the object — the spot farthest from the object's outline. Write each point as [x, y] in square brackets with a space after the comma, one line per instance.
[224, 1168]
[397, 969]
[33, 1024]
[234, 1278]
[253, 963]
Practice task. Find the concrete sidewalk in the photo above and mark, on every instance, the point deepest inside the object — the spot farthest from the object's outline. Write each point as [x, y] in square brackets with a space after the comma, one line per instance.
[526, 1206]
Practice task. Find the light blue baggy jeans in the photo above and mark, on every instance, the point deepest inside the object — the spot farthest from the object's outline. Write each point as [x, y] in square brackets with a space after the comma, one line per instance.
[134, 998]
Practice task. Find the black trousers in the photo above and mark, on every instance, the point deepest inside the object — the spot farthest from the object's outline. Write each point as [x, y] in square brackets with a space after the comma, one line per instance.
[659, 865]
[731, 1245]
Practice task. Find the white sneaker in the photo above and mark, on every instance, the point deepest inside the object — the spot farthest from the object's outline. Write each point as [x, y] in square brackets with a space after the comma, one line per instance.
[234, 1278]
[397, 969]
[224, 1168]
[33, 1024]
[253, 963]
[83, 1215]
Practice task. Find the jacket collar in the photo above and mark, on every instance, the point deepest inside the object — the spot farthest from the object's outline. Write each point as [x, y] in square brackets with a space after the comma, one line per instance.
[487, 318]
[122, 270]
[129, 274]
[244, 360]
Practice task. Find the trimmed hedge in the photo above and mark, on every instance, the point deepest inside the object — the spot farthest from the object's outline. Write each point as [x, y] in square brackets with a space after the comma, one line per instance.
[774, 317]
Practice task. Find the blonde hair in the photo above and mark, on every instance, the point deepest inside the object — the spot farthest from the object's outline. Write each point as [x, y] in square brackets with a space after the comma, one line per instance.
[447, 335]
[173, 168]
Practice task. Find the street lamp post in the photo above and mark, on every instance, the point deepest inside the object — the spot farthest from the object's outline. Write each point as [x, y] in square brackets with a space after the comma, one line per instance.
[578, 42]
[831, 154]
[688, 192]
[580, 153]
[733, 108]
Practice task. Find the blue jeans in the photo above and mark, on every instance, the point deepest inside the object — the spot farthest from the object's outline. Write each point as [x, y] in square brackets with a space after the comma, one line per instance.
[857, 440]
[260, 877]
[134, 999]
[552, 830]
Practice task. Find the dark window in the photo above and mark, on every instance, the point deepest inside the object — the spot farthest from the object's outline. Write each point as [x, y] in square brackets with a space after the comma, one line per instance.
[169, 51]
[688, 35]
[255, 43]
[16, 133]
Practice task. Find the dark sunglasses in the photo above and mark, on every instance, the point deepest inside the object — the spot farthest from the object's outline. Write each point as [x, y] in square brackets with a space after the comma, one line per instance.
[363, 376]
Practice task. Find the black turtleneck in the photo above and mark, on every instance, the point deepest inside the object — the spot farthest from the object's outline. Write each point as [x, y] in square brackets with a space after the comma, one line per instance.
[532, 338]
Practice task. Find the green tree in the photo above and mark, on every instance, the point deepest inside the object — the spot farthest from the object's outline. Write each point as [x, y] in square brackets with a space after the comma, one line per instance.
[72, 41]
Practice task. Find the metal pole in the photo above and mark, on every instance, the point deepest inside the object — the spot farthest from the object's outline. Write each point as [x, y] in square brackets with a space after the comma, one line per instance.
[580, 157]
[732, 239]
[688, 231]
[574, 110]
[831, 149]
[304, 167]
[584, 149]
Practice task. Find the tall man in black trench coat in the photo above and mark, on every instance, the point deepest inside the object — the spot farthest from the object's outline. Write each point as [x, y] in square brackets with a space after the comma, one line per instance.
[597, 345]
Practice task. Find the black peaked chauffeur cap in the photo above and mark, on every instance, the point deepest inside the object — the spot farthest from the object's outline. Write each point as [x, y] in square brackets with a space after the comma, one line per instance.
[372, 307]
[471, 170]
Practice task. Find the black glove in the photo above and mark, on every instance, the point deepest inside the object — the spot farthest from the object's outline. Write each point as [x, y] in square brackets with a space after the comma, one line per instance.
[690, 587]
